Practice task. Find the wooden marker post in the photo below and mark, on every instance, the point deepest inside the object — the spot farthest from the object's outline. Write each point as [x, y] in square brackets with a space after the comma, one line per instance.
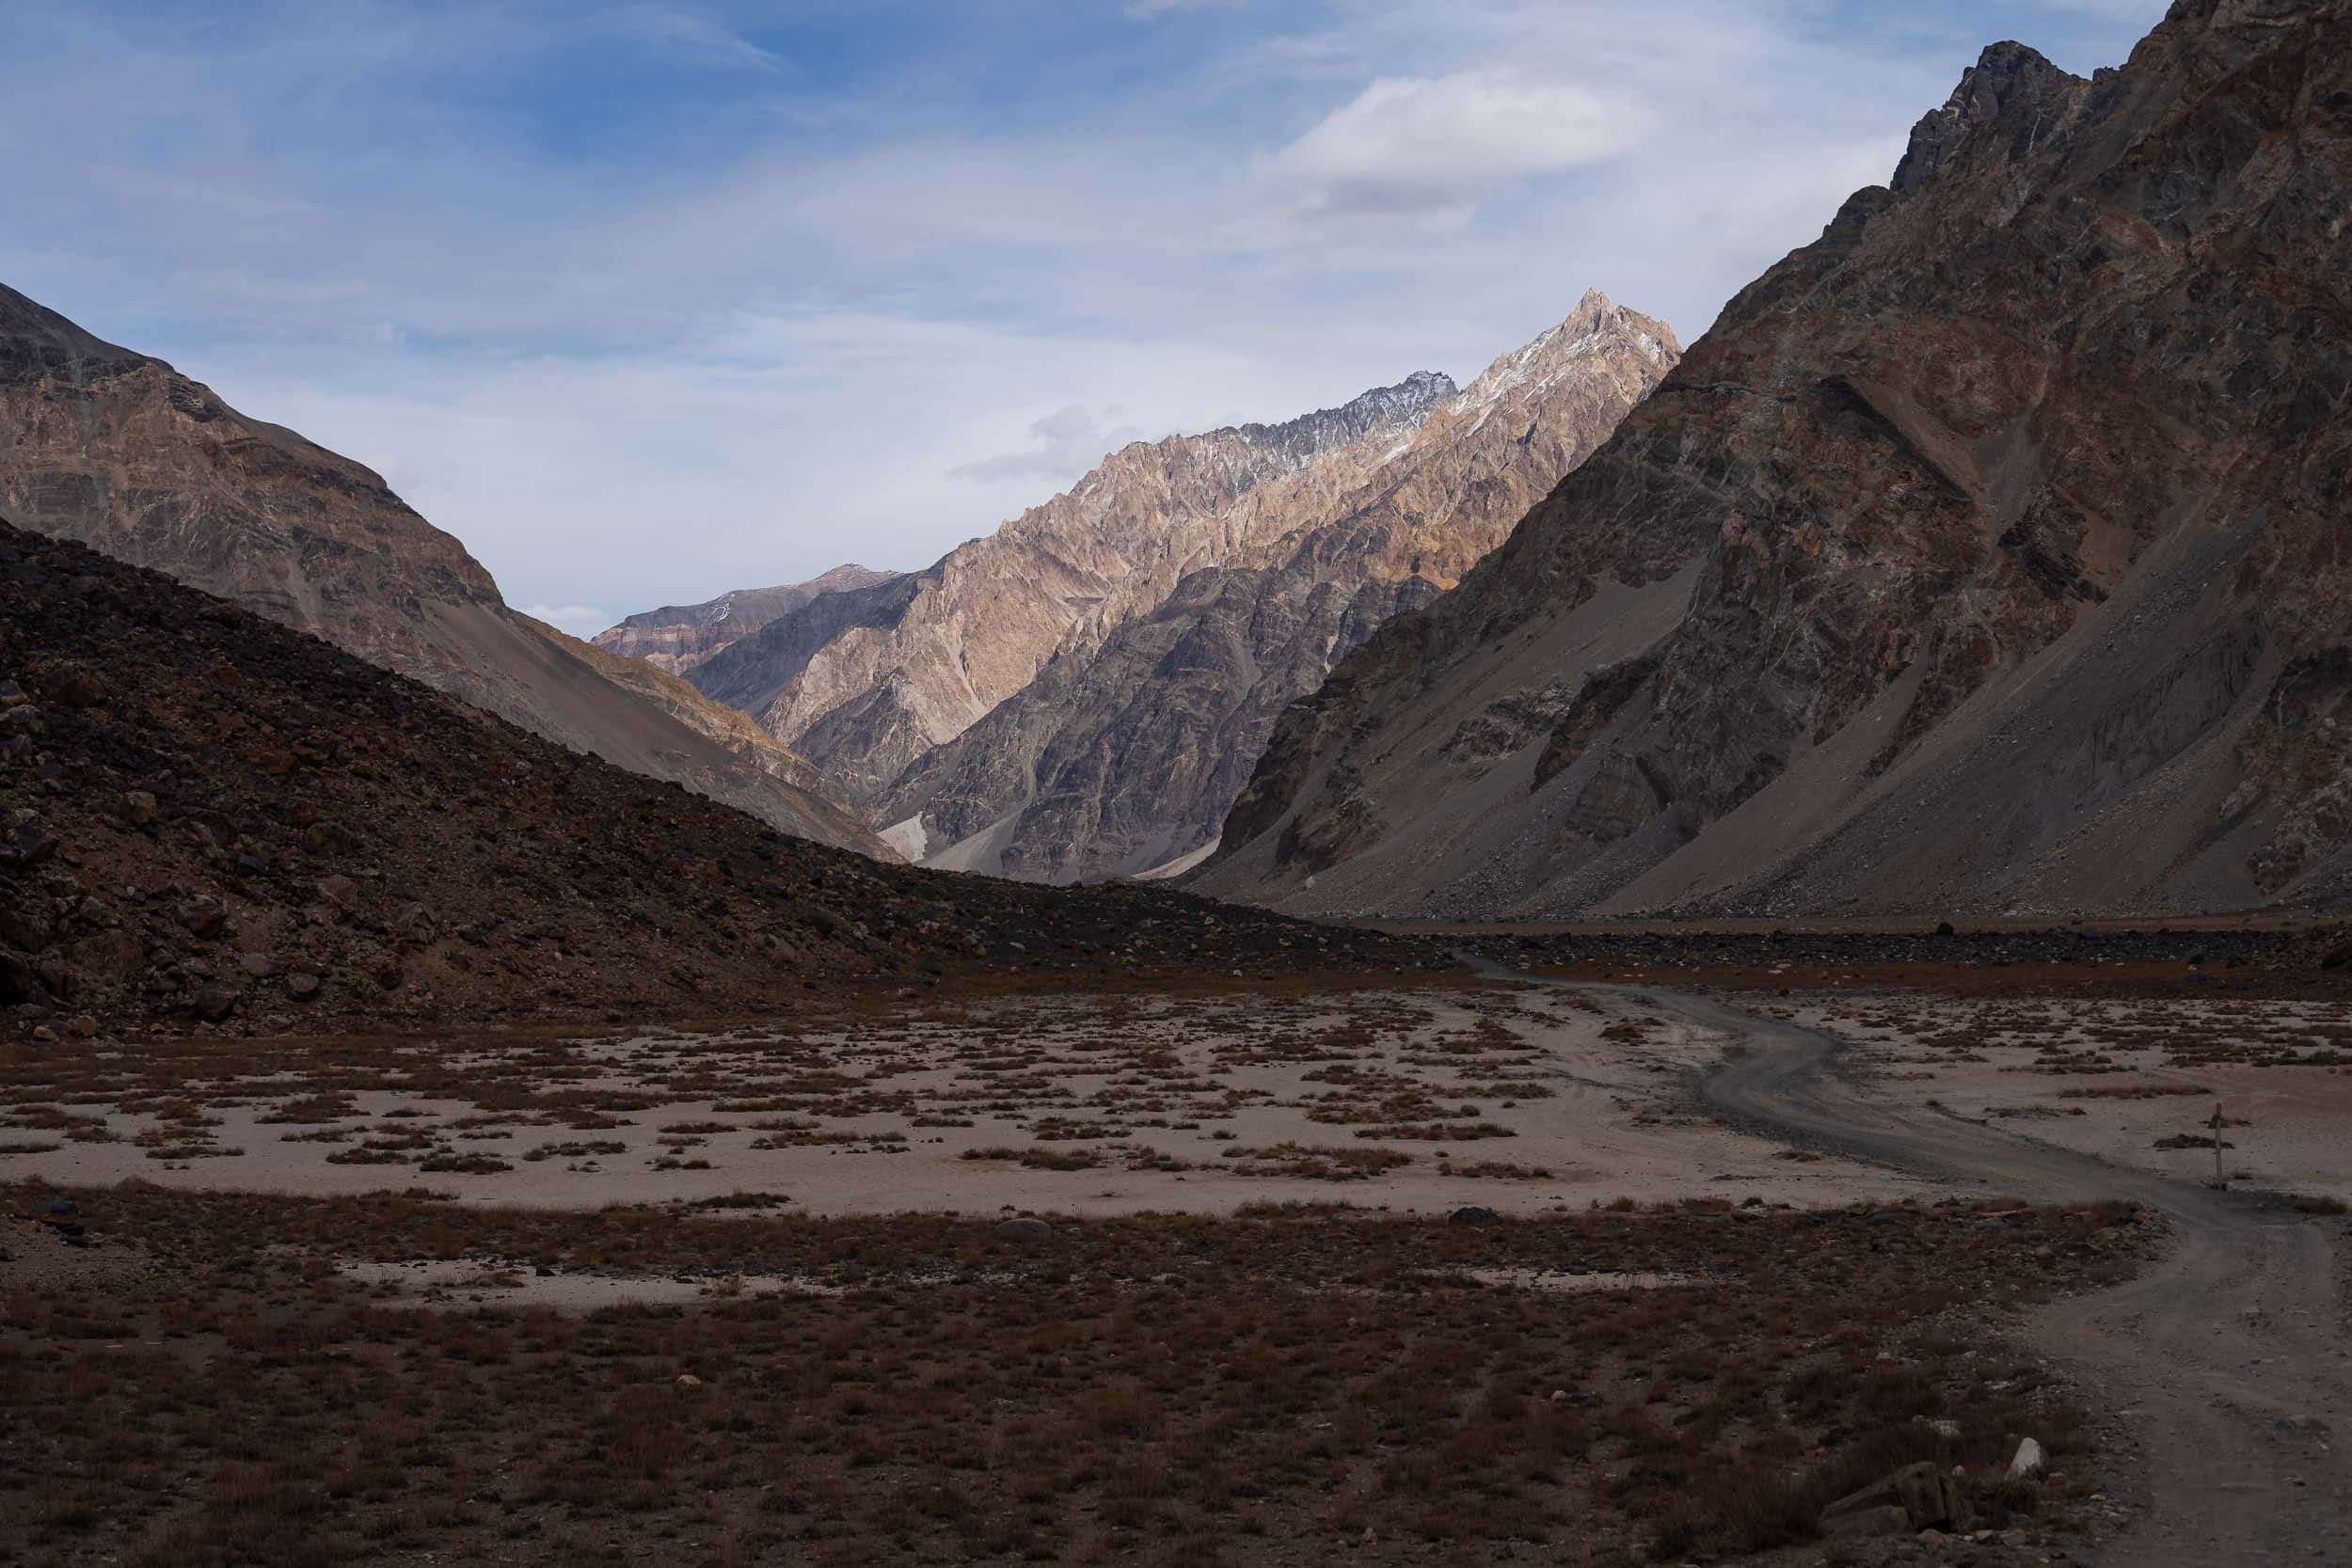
[2217, 1145]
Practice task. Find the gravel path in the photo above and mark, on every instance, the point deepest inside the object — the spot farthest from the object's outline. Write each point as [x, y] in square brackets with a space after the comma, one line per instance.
[2229, 1363]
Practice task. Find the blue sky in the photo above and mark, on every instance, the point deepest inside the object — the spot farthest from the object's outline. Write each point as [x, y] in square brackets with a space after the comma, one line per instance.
[649, 300]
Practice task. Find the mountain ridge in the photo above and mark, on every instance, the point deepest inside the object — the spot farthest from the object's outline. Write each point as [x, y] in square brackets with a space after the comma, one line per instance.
[120, 450]
[866, 681]
[1122, 758]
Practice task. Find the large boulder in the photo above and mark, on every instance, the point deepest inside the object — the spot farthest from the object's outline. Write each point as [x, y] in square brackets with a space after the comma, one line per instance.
[1929, 1498]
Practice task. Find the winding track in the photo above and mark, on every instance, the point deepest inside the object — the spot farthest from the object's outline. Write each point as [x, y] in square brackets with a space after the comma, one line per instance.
[2229, 1361]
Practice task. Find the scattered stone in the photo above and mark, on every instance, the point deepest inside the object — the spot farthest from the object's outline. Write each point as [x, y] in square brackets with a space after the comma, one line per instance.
[2029, 1461]
[19, 984]
[74, 685]
[25, 929]
[1023, 1228]
[1472, 1214]
[29, 845]
[201, 918]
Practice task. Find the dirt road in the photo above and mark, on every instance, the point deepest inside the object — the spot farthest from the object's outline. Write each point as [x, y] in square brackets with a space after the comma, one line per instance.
[2228, 1362]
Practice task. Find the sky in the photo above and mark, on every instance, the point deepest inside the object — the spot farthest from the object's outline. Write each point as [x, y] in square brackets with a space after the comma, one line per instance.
[650, 300]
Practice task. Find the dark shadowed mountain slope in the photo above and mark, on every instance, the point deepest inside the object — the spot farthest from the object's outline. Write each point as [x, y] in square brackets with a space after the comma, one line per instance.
[213, 820]
[122, 452]
[1988, 554]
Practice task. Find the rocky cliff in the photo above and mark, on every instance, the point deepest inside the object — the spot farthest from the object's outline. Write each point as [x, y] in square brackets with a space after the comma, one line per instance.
[676, 637]
[1123, 757]
[1987, 555]
[120, 451]
[864, 682]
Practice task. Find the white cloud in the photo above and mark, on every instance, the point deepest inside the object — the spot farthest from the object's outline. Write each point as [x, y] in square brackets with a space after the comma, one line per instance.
[1062, 445]
[1438, 144]
[739, 334]
[581, 619]
[691, 34]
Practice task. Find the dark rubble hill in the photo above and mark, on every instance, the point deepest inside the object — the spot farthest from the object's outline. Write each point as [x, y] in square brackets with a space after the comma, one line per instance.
[212, 819]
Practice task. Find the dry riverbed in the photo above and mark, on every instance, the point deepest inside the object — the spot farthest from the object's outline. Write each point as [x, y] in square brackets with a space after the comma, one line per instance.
[1518, 1100]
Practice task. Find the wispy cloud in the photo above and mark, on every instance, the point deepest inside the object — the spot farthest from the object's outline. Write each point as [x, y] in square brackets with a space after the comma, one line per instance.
[1438, 144]
[1062, 445]
[690, 33]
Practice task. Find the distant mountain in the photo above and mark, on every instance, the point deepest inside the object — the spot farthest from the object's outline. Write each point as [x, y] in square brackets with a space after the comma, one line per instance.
[120, 451]
[864, 682]
[1122, 758]
[1987, 556]
[676, 637]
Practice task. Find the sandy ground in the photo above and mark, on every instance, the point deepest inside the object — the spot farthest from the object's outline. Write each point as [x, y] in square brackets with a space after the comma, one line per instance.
[2130, 1083]
[1517, 1101]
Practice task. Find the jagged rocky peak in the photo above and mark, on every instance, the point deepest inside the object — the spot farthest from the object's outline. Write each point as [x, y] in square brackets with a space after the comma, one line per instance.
[1397, 408]
[2010, 86]
[1596, 328]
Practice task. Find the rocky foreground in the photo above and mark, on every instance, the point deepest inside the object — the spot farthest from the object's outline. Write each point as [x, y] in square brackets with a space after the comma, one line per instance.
[213, 820]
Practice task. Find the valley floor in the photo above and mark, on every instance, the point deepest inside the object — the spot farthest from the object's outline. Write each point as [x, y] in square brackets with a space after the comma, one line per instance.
[1488, 1270]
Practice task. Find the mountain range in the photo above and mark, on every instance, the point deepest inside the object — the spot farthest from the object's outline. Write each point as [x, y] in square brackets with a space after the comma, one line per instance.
[1985, 557]
[1986, 554]
[1081, 693]
[1124, 758]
